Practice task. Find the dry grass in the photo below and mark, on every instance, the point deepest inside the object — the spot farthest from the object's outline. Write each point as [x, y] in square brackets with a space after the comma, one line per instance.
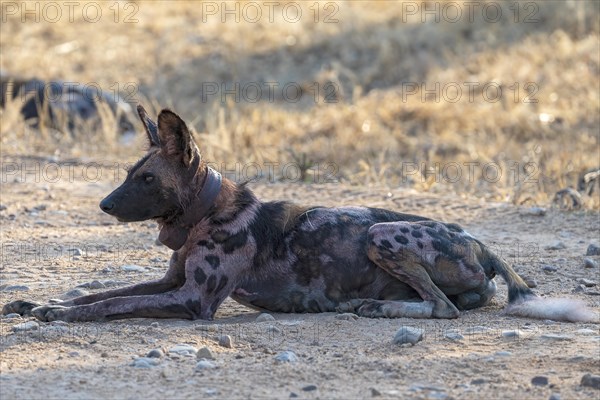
[376, 131]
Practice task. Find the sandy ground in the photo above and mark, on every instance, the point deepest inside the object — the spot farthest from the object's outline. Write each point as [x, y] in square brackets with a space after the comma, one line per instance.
[55, 238]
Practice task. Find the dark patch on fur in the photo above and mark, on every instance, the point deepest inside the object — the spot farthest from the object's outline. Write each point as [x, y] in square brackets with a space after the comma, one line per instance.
[222, 283]
[213, 260]
[416, 234]
[386, 243]
[401, 239]
[199, 276]
[420, 244]
[205, 243]
[235, 241]
[211, 284]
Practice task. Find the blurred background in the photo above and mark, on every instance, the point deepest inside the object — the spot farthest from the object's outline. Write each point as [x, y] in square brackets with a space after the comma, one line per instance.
[495, 99]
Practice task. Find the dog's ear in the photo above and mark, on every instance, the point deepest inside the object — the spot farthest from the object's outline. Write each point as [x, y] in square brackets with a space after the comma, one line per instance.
[149, 126]
[175, 138]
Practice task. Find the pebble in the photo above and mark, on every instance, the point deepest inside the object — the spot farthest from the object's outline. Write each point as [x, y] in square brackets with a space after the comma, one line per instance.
[514, 333]
[26, 326]
[132, 268]
[183, 350]
[75, 251]
[539, 381]
[531, 282]
[593, 250]
[556, 246]
[375, 392]
[309, 388]
[225, 341]
[590, 380]
[273, 329]
[589, 263]
[207, 328]
[586, 331]
[205, 364]
[554, 396]
[587, 282]
[205, 353]
[347, 317]
[408, 334]
[155, 353]
[264, 317]
[286, 356]
[144, 362]
[92, 285]
[454, 336]
[155, 324]
[556, 337]
[534, 211]
[2, 207]
[11, 316]
[15, 288]
[549, 268]
[74, 293]
[478, 381]
[503, 353]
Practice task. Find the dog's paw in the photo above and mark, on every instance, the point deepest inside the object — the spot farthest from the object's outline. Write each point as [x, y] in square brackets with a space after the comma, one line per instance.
[350, 306]
[20, 307]
[50, 313]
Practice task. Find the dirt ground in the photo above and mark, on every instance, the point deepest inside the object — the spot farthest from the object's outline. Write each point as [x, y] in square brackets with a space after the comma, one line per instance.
[54, 238]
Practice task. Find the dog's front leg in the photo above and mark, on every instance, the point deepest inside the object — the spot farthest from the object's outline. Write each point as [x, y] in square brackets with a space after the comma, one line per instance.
[206, 285]
[173, 279]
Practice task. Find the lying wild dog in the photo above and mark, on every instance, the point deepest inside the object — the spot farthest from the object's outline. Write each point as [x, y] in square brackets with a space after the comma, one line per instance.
[59, 105]
[281, 257]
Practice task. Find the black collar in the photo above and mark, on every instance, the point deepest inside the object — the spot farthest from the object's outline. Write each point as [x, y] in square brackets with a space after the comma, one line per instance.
[175, 235]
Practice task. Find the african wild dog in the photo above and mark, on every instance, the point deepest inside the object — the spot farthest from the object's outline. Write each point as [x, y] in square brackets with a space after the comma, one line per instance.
[281, 257]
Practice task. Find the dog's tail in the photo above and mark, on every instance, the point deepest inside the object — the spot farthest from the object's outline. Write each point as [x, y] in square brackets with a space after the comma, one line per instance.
[524, 303]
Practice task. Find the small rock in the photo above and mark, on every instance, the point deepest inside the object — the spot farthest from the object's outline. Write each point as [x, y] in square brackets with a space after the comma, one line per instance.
[74, 293]
[503, 353]
[273, 329]
[155, 353]
[556, 337]
[26, 326]
[579, 289]
[531, 282]
[539, 381]
[554, 396]
[347, 317]
[589, 263]
[375, 392]
[15, 288]
[309, 388]
[587, 282]
[264, 317]
[585, 331]
[144, 362]
[11, 316]
[225, 341]
[293, 395]
[205, 353]
[556, 246]
[132, 268]
[454, 336]
[207, 328]
[2, 207]
[408, 334]
[183, 350]
[514, 333]
[590, 380]
[92, 285]
[534, 211]
[593, 250]
[205, 364]
[286, 356]
[478, 381]
[155, 324]
[549, 268]
[75, 251]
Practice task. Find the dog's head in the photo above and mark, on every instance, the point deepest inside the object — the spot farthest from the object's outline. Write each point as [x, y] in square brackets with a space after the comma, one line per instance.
[159, 184]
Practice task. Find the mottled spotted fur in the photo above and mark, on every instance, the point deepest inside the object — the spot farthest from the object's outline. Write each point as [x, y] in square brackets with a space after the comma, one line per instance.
[280, 257]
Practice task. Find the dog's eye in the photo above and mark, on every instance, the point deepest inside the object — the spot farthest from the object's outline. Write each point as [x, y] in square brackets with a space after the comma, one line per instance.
[148, 178]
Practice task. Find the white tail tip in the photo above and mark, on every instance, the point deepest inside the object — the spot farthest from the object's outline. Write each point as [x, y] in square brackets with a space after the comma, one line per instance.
[561, 309]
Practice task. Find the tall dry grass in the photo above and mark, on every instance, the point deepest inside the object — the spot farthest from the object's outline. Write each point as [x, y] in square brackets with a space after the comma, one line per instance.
[377, 126]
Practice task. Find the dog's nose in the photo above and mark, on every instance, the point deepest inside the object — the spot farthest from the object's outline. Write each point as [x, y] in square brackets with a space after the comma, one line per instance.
[107, 205]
